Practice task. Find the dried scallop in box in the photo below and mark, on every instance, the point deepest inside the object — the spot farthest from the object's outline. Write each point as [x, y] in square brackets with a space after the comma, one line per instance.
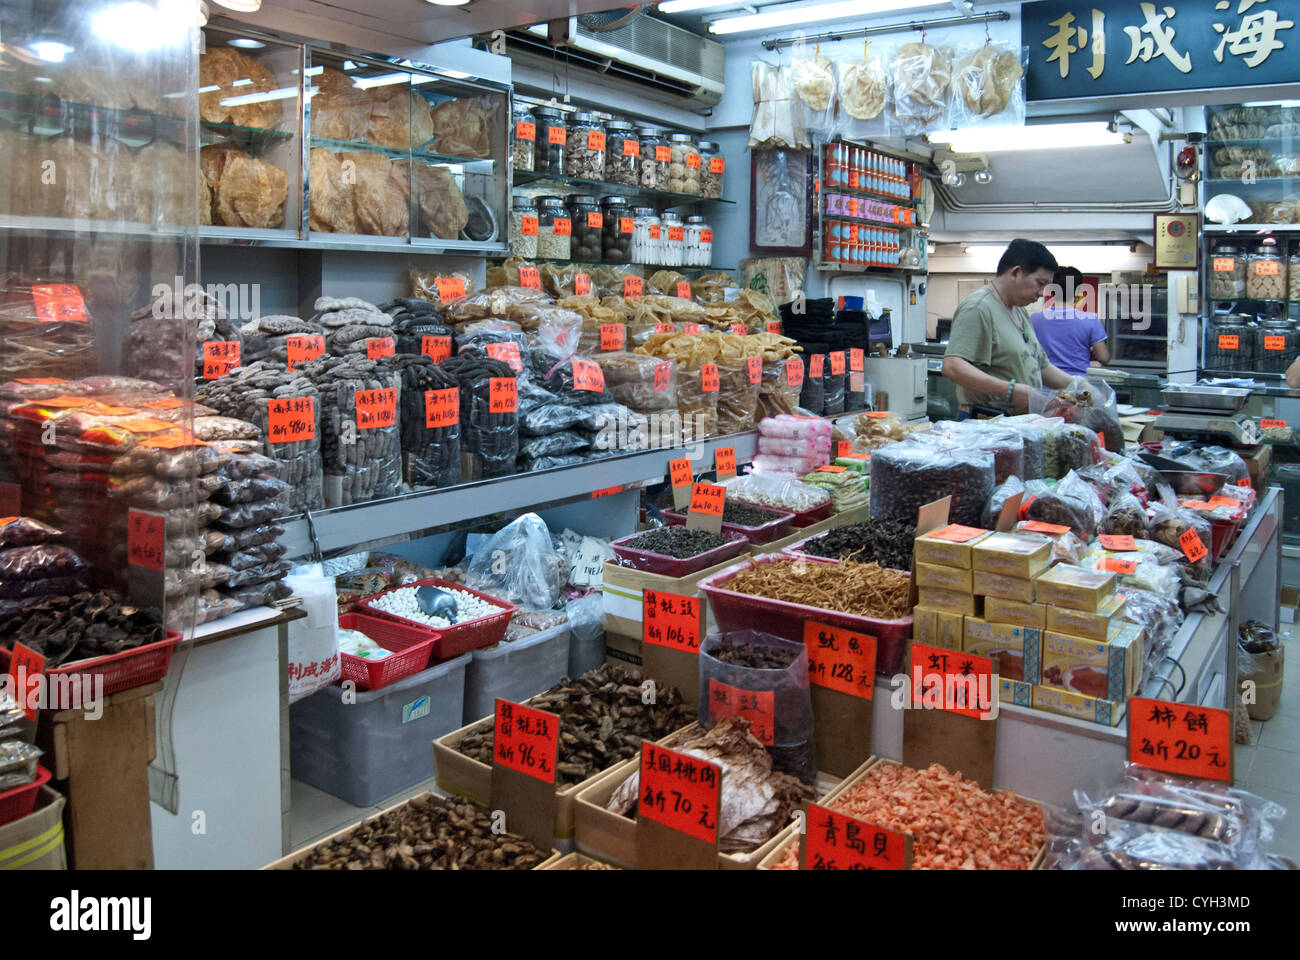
[1075, 587]
[1011, 555]
[949, 546]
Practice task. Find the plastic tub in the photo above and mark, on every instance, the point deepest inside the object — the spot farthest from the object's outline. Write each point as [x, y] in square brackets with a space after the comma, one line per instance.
[461, 637]
[796, 549]
[367, 750]
[20, 801]
[515, 671]
[772, 530]
[806, 518]
[743, 611]
[674, 566]
[411, 646]
[147, 663]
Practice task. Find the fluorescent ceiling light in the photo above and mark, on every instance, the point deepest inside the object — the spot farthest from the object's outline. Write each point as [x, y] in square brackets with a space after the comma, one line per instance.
[682, 6]
[51, 51]
[787, 16]
[246, 43]
[365, 83]
[447, 3]
[242, 6]
[1041, 136]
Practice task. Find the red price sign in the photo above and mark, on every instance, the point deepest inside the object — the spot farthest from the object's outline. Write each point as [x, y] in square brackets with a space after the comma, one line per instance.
[676, 234]
[632, 287]
[613, 336]
[525, 130]
[441, 408]
[717, 164]
[557, 135]
[376, 408]
[1223, 264]
[679, 471]
[691, 329]
[582, 284]
[663, 154]
[1113, 542]
[755, 365]
[625, 224]
[839, 659]
[739, 330]
[724, 460]
[680, 791]
[146, 539]
[671, 620]
[1267, 268]
[379, 348]
[26, 667]
[794, 371]
[855, 359]
[562, 227]
[663, 376]
[655, 231]
[709, 377]
[664, 328]
[773, 326]
[291, 419]
[528, 226]
[587, 375]
[596, 141]
[1266, 424]
[507, 353]
[952, 680]
[595, 221]
[707, 498]
[219, 358]
[816, 365]
[1193, 546]
[503, 395]
[706, 236]
[449, 288]
[956, 533]
[1180, 738]
[1051, 529]
[693, 161]
[631, 148]
[530, 277]
[1244, 482]
[831, 468]
[756, 706]
[836, 841]
[438, 348]
[1275, 343]
[844, 448]
[837, 363]
[526, 740]
[59, 303]
[1227, 341]
[1115, 565]
[684, 289]
[1226, 502]
[303, 349]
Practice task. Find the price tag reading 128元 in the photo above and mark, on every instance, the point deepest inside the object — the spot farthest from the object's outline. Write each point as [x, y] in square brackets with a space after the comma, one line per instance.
[670, 620]
[1180, 738]
[680, 791]
[840, 659]
[836, 841]
[526, 740]
[756, 706]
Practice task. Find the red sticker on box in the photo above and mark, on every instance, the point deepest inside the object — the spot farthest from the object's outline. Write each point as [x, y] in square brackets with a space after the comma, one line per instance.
[1120, 543]
[836, 841]
[291, 419]
[612, 336]
[1115, 565]
[663, 376]
[1193, 546]
[631, 287]
[303, 349]
[219, 358]
[587, 375]
[507, 353]
[503, 395]
[794, 371]
[146, 539]
[756, 706]
[582, 284]
[376, 408]
[441, 408]
[449, 288]
[709, 377]
[755, 369]
[955, 533]
[670, 620]
[380, 347]
[59, 303]
[526, 740]
[840, 659]
[963, 681]
[680, 791]
[438, 349]
[1180, 738]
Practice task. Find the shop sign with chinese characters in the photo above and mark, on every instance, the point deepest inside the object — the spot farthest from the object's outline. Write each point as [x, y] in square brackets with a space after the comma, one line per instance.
[1090, 48]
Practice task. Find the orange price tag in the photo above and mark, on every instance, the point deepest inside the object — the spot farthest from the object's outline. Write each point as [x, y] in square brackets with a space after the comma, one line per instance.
[304, 349]
[794, 371]
[755, 369]
[376, 408]
[878, 414]
[1114, 542]
[1115, 565]
[855, 359]
[1226, 502]
[680, 791]
[26, 667]
[664, 328]
[691, 329]
[677, 234]
[146, 539]
[582, 284]
[596, 141]
[1180, 738]
[839, 659]
[756, 706]
[709, 377]
[1266, 424]
[449, 288]
[663, 154]
[1193, 546]
[724, 460]
[526, 740]
[837, 363]
[773, 326]
[717, 164]
[836, 841]
[525, 130]
[595, 220]
[172, 442]
[684, 289]
[1275, 343]
[291, 419]
[956, 533]
[844, 448]
[380, 347]
[671, 620]
[530, 277]
[503, 395]
[441, 408]
[739, 330]
[587, 375]
[1266, 268]
[437, 348]
[631, 148]
[557, 135]
[64, 402]
[59, 303]
[632, 287]
[1227, 341]
[612, 336]
[707, 498]
[1051, 529]
[817, 366]
[706, 236]
[680, 472]
[145, 425]
[663, 376]
[1195, 505]
[963, 681]
[1244, 482]
[219, 358]
[101, 410]
[625, 224]
[831, 468]
[693, 161]
[655, 231]
[507, 353]
[1223, 264]
[606, 491]
[528, 226]
[562, 227]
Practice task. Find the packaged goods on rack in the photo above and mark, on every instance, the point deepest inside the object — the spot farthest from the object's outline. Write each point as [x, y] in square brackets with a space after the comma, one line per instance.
[64, 349]
[429, 418]
[777, 279]
[921, 78]
[418, 328]
[1069, 447]
[757, 800]
[1182, 529]
[1006, 446]
[622, 154]
[906, 476]
[861, 589]
[813, 78]
[738, 388]
[639, 382]
[1125, 516]
[488, 412]
[775, 491]
[777, 120]
[847, 488]
[158, 345]
[986, 87]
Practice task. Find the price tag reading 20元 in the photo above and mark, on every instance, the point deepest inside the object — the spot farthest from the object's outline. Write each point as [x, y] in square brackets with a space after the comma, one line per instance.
[1180, 738]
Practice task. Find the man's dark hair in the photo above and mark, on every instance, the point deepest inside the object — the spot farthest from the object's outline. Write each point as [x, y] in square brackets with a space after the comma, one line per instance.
[1028, 255]
[1063, 274]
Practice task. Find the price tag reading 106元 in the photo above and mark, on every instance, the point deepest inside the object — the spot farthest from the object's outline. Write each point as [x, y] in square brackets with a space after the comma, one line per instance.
[1180, 738]
[526, 740]
[671, 620]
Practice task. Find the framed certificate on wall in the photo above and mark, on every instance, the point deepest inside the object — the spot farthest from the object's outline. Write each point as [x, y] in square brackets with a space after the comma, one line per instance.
[1178, 241]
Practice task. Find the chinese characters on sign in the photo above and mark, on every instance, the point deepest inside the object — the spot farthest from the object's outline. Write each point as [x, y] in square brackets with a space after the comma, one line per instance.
[840, 659]
[671, 620]
[1180, 738]
[291, 419]
[756, 706]
[376, 408]
[526, 740]
[951, 680]
[835, 841]
[145, 541]
[680, 791]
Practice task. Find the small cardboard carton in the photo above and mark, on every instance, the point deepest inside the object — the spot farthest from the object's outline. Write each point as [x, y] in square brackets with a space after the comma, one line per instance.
[1001, 610]
[951, 601]
[1012, 555]
[1008, 588]
[1081, 623]
[943, 578]
[1016, 692]
[1108, 669]
[1108, 713]
[948, 546]
[35, 842]
[1076, 588]
[1014, 650]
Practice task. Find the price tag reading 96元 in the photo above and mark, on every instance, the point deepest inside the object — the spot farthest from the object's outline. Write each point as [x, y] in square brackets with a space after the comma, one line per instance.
[1180, 738]
[526, 740]
[670, 620]
[840, 659]
[756, 706]
[836, 841]
[680, 791]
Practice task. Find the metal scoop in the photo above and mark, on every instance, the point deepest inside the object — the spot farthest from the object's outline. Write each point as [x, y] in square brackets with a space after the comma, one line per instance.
[436, 603]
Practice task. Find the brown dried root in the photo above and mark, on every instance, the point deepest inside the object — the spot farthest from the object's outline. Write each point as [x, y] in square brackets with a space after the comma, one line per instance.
[862, 589]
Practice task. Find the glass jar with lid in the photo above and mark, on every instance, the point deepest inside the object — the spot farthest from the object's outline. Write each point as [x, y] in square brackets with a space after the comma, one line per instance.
[523, 227]
[616, 235]
[646, 234]
[587, 224]
[1279, 342]
[622, 154]
[1227, 279]
[683, 164]
[1266, 273]
[1230, 343]
[524, 149]
[673, 248]
[655, 158]
[1293, 275]
[554, 229]
[585, 157]
[712, 166]
[552, 140]
[699, 242]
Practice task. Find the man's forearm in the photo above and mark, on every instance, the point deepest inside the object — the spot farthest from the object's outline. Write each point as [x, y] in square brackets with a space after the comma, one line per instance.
[966, 374]
[1055, 378]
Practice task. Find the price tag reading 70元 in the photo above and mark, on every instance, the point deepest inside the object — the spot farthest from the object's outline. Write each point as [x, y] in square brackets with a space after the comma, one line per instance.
[526, 740]
[1180, 738]
[836, 841]
[670, 620]
[840, 659]
[680, 791]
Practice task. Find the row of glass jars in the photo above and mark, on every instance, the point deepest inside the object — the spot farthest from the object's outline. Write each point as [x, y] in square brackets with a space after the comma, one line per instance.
[1261, 274]
[584, 146]
[665, 240]
[580, 227]
[1244, 343]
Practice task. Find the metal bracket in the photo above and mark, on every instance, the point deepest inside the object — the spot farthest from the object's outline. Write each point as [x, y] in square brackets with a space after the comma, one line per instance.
[996, 16]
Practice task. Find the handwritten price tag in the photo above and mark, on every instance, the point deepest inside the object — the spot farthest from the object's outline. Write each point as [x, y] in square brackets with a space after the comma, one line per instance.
[663, 154]
[709, 377]
[613, 336]
[671, 620]
[664, 328]
[755, 365]
[739, 330]
[146, 539]
[530, 277]
[684, 289]
[1118, 543]
[528, 226]
[1227, 341]
[441, 408]
[449, 288]
[693, 161]
[955, 533]
[957, 682]
[626, 224]
[707, 498]
[773, 326]
[1180, 738]
[724, 460]
[437, 348]
[836, 841]
[291, 419]
[219, 358]
[794, 371]
[676, 234]
[831, 468]
[679, 471]
[379, 348]
[691, 329]
[663, 376]
[526, 740]
[582, 284]
[606, 492]
[756, 706]
[855, 359]
[680, 791]
[525, 130]
[1271, 424]
[840, 659]
[304, 349]
[1275, 343]
[631, 148]
[562, 227]
[817, 365]
[1115, 565]
[59, 303]
[1193, 546]
[596, 141]
[507, 353]
[557, 135]
[1051, 529]
[503, 395]
[837, 363]
[587, 375]
[1223, 264]
[26, 667]
[595, 221]
[376, 408]
[631, 287]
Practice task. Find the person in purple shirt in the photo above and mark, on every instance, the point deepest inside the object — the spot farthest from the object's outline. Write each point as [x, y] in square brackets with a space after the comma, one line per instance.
[1071, 337]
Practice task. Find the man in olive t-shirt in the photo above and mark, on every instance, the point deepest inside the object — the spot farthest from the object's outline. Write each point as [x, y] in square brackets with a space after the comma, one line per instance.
[993, 355]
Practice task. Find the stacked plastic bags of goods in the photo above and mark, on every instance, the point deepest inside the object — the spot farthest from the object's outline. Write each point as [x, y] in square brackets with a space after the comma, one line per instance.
[792, 445]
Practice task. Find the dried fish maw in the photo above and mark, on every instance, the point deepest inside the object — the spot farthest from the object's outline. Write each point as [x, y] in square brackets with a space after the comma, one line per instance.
[462, 128]
[382, 196]
[987, 78]
[251, 193]
[399, 118]
[340, 110]
[442, 208]
[332, 207]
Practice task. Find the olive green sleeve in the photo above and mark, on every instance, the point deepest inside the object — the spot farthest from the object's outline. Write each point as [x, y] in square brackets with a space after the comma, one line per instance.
[972, 335]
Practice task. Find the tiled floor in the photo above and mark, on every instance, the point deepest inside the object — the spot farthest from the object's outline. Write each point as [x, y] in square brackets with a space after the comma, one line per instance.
[1270, 766]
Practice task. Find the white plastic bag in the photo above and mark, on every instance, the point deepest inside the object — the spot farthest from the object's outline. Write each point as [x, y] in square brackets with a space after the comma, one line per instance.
[313, 641]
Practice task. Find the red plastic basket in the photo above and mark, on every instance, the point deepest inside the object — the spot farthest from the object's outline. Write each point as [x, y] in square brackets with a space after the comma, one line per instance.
[802, 518]
[678, 567]
[121, 671]
[412, 647]
[1223, 533]
[766, 533]
[20, 801]
[461, 637]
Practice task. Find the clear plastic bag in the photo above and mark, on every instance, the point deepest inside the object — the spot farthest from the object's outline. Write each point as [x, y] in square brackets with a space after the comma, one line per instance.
[547, 418]
[492, 436]
[1001, 494]
[988, 86]
[553, 444]
[361, 444]
[430, 444]
[1172, 526]
[775, 491]
[639, 382]
[1066, 547]
[922, 76]
[494, 301]
[26, 532]
[1092, 406]
[863, 96]
[698, 407]
[777, 118]
[518, 564]
[1158, 614]
[1125, 516]
[1007, 446]
[906, 476]
[1072, 502]
[39, 561]
[1067, 447]
[737, 394]
[813, 78]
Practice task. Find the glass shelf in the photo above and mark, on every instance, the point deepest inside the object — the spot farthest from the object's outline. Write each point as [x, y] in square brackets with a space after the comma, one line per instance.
[397, 153]
[527, 177]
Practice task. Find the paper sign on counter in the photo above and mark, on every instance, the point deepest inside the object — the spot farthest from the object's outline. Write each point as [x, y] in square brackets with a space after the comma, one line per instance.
[836, 841]
[680, 791]
[952, 680]
[840, 659]
[671, 620]
[526, 740]
[1180, 738]
[1193, 547]
[587, 375]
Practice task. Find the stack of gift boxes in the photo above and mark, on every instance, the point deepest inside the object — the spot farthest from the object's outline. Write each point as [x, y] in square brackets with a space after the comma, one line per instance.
[1056, 634]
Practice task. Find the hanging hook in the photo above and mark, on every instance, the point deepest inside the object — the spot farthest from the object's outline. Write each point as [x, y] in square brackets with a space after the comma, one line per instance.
[988, 38]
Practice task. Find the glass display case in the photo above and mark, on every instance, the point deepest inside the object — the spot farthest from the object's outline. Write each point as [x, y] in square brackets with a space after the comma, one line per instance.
[1253, 152]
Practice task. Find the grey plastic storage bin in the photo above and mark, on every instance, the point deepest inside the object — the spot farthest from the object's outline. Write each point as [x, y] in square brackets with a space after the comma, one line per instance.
[515, 671]
[365, 751]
